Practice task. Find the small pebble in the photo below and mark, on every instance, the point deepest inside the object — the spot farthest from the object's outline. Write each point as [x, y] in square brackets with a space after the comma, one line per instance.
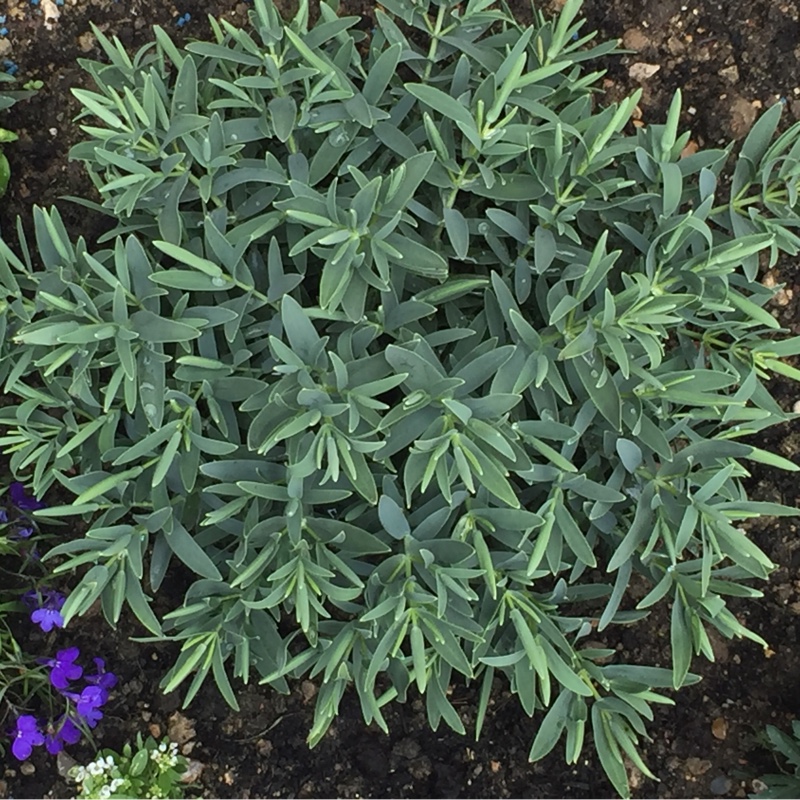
[194, 769]
[26, 768]
[64, 763]
[720, 785]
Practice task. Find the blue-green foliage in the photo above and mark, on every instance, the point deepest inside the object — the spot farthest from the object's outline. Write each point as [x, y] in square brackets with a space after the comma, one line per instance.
[413, 355]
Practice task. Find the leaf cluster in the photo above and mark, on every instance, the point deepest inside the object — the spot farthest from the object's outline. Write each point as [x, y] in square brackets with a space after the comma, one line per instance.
[413, 356]
[146, 769]
[785, 784]
[7, 99]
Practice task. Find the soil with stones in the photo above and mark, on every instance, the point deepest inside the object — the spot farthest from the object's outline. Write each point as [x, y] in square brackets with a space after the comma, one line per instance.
[731, 59]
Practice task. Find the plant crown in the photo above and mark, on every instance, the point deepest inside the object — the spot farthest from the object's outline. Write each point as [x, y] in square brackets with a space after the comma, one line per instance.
[412, 356]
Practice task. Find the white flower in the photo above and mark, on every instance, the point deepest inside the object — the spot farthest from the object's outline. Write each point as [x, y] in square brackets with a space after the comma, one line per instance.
[163, 747]
[105, 792]
[94, 768]
[79, 774]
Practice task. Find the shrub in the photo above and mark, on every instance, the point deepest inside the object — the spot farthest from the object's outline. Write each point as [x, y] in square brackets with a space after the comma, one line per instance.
[413, 357]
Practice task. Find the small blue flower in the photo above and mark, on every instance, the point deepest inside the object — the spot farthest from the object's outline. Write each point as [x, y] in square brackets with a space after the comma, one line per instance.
[2, 18]
[46, 605]
[106, 681]
[182, 20]
[63, 668]
[88, 704]
[68, 733]
[26, 735]
[4, 31]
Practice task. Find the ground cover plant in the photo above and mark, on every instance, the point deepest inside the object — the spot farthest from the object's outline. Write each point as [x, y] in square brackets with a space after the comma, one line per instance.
[150, 770]
[413, 356]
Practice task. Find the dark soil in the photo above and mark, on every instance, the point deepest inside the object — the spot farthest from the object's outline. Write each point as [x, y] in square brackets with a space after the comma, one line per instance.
[730, 59]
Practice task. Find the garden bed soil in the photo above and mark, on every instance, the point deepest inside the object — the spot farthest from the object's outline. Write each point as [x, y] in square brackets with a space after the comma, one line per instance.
[731, 59]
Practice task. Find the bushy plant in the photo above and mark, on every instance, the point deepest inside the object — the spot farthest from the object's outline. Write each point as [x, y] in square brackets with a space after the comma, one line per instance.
[413, 356]
[150, 770]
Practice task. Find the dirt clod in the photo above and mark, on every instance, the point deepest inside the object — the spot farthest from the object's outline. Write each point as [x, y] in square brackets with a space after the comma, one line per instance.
[642, 71]
[742, 115]
[719, 728]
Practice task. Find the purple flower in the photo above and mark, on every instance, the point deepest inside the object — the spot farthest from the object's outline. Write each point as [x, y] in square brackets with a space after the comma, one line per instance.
[3, 516]
[23, 501]
[63, 668]
[105, 681]
[26, 736]
[47, 619]
[23, 533]
[68, 733]
[47, 604]
[88, 703]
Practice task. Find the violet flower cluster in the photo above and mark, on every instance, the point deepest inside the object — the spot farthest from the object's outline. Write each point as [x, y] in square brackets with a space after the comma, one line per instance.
[84, 702]
[84, 709]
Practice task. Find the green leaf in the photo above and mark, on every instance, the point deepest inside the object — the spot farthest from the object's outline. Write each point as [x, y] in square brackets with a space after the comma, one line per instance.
[681, 639]
[106, 485]
[442, 103]
[190, 281]
[187, 550]
[551, 727]
[152, 328]
[381, 73]
[758, 139]
[190, 259]
[299, 329]
[609, 753]
[630, 454]
[392, 518]
[573, 536]
[148, 444]
[605, 396]
[283, 115]
[457, 231]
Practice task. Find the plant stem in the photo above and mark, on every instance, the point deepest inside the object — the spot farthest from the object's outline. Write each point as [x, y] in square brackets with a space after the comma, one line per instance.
[435, 33]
